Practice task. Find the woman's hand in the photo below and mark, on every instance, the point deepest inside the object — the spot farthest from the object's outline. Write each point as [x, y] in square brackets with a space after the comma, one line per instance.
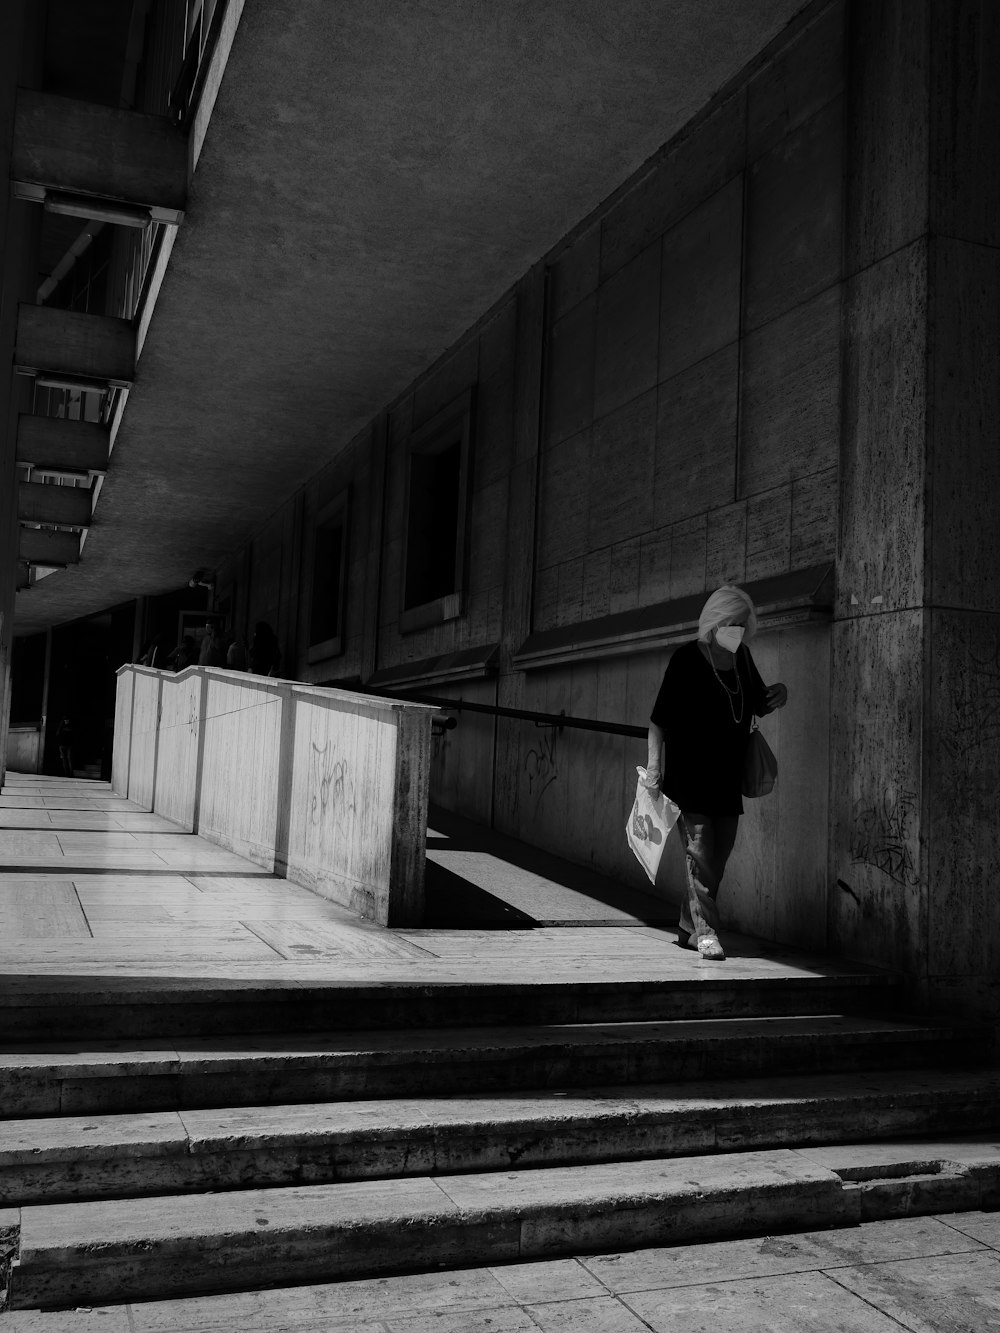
[777, 696]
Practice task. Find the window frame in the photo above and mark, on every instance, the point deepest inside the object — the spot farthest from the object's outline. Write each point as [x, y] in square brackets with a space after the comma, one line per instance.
[336, 509]
[452, 424]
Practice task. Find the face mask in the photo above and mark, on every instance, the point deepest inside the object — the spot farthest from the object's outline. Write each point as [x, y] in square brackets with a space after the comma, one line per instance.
[729, 637]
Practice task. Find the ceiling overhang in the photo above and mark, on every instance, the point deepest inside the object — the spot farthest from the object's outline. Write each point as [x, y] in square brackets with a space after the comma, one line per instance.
[374, 178]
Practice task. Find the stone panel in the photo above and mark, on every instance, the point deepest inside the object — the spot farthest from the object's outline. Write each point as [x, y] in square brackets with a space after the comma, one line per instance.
[964, 459]
[597, 583]
[800, 733]
[627, 332]
[494, 423]
[769, 533]
[611, 802]
[963, 830]
[882, 507]
[569, 396]
[624, 581]
[546, 598]
[726, 537]
[965, 120]
[814, 519]
[888, 137]
[748, 899]
[688, 550]
[569, 610]
[790, 421]
[700, 284]
[620, 494]
[878, 902]
[654, 566]
[451, 376]
[698, 165]
[575, 273]
[562, 503]
[696, 438]
[488, 527]
[805, 74]
[794, 218]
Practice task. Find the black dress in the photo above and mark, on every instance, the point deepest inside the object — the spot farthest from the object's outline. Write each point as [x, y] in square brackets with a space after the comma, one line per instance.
[704, 743]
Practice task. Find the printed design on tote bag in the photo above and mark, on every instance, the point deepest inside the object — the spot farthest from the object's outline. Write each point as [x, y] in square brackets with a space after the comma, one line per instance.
[643, 827]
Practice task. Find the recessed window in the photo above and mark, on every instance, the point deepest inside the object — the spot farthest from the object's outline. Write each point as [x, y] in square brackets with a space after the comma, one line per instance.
[328, 583]
[436, 506]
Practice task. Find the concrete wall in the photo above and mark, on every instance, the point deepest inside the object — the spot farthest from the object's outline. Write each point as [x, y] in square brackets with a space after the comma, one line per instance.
[24, 749]
[326, 788]
[773, 350]
[656, 412]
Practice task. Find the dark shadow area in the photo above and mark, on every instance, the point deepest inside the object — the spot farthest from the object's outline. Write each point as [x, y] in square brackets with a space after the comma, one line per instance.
[451, 833]
[452, 903]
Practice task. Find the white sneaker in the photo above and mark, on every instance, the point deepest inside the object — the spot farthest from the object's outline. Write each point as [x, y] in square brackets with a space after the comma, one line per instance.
[709, 947]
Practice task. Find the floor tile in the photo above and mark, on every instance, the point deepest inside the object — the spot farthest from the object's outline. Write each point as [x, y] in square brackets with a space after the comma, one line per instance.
[359, 1300]
[547, 1280]
[764, 1256]
[41, 910]
[983, 1227]
[600, 1314]
[796, 1303]
[954, 1294]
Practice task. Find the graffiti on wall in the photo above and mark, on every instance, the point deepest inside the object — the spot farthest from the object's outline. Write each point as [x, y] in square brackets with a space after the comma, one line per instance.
[330, 787]
[883, 833]
[541, 766]
[976, 700]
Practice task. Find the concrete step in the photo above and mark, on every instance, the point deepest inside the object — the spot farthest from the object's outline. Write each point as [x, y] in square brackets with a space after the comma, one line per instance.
[65, 1159]
[32, 1008]
[85, 1254]
[113, 1077]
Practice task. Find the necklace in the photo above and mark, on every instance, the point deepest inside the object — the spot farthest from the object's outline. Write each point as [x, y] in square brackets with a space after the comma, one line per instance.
[730, 694]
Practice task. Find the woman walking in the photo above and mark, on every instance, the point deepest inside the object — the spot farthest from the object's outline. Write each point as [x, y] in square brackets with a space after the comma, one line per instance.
[702, 718]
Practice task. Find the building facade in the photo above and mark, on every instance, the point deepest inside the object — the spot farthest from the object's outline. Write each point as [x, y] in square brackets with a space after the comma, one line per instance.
[769, 356]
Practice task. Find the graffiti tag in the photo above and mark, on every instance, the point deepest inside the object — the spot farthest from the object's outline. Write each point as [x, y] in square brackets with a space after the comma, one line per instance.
[882, 835]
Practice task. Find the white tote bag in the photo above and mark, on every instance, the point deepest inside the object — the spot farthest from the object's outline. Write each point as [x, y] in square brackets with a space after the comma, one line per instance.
[652, 817]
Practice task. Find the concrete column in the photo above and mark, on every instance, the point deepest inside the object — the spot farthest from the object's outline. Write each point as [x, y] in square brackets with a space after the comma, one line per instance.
[915, 839]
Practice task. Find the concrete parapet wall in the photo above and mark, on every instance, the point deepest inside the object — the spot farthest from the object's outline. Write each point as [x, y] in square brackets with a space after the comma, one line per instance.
[322, 786]
[24, 750]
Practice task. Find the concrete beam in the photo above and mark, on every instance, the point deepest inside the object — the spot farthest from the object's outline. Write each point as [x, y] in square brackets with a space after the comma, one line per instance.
[39, 546]
[66, 342]
[23, 576]
[67, 506]
[72, 147]
[62, 446]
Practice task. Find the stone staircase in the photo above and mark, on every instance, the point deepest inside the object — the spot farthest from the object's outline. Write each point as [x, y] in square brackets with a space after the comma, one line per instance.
[195, 1139]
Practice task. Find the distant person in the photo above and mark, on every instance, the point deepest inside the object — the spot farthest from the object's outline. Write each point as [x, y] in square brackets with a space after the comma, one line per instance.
[264, 652]
[151, 652]
[702, 718]
[212, 652]
[64, 740]
[236, 654]
[184, 655]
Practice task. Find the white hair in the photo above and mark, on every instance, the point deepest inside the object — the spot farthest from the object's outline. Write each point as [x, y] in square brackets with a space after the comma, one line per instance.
[726, 605]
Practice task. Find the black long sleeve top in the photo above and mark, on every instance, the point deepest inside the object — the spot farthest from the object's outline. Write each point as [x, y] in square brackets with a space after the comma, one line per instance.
[706, 715]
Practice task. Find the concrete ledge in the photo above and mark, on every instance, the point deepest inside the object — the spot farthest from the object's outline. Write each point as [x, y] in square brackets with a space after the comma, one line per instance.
[116, 1156]
[802, 597]
[114, 1076]
[326, 788]
[124, 1007]
[80, 1254]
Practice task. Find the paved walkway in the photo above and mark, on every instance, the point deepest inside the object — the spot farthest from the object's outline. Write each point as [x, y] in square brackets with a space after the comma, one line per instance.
[91, 886]
[922, 1274]
[95, 886]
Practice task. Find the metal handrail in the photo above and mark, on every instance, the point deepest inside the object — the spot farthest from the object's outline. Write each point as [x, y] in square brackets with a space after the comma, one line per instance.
[557, 720]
